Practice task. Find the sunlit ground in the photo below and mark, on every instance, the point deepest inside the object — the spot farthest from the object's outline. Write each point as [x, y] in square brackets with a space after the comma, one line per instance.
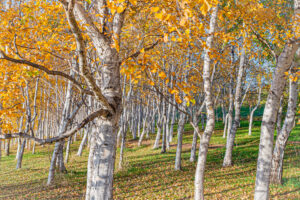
[147, 174]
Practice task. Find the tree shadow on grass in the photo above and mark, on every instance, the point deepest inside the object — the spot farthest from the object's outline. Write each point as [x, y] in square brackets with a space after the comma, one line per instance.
[297, 190]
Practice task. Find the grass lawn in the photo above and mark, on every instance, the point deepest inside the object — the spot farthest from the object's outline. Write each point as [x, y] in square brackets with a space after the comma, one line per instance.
[147, 174]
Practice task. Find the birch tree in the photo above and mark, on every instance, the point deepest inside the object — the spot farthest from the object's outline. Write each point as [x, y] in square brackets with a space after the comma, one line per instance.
[283, 63]
[205, 137]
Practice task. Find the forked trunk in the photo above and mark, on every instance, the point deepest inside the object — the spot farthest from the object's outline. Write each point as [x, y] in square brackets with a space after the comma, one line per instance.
[262, 182]
[282, 137]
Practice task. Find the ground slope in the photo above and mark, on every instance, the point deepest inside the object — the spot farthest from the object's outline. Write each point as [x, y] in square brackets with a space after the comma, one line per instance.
[149, 175]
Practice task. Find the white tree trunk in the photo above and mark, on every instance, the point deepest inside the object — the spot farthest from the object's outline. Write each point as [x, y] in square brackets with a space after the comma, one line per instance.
[205, 138]
[253, 110]
[123, 142]
[262, 182]
[159, 124]
[225, 125]
[57, 156]
[164, 131]
[68, 150]
[283, 135]
[101, 161]
[279, 115]
[172, 122]
[196, 120]
[83, 142]
[237, 108]
[180, 131]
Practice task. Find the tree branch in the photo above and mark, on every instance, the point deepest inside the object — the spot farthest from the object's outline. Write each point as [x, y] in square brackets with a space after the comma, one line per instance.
[84, 70]
[265, 42]
[137, 53]
[92, 116]
[44, 69]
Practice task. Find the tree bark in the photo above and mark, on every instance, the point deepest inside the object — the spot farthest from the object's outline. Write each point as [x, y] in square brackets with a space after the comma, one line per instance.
[57, 156]
[102, 160]
[123, 142]
[283, 135]
[7, 147]
[284, 62]
[225, 125]
[19, 139]
[205, 137]
[237, 108]
[83, 142]
[252, 112]
[159, 126]
[52, 164]
[180, 130]
[196, 120]
[20, 155]
[279, 115]
[68, 150]
[172, 122]
[164, 131]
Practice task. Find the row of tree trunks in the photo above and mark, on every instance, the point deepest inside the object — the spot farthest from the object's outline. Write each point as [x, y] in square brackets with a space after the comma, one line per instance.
[57, 156]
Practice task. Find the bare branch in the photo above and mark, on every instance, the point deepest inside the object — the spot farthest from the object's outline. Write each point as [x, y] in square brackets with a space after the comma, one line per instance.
[265, 42]
[44, 69]
[136, 54]
[99, 113]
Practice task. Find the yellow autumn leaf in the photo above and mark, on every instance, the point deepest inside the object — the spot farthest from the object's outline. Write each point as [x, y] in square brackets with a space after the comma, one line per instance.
[133, 2]
[120, 9]
[187, 31]
[177, 99]
[162, 75]
[151, 83]
[159, 15]
[154, 9]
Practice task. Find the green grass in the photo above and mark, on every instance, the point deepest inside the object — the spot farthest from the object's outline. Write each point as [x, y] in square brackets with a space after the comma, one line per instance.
[147, 174]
